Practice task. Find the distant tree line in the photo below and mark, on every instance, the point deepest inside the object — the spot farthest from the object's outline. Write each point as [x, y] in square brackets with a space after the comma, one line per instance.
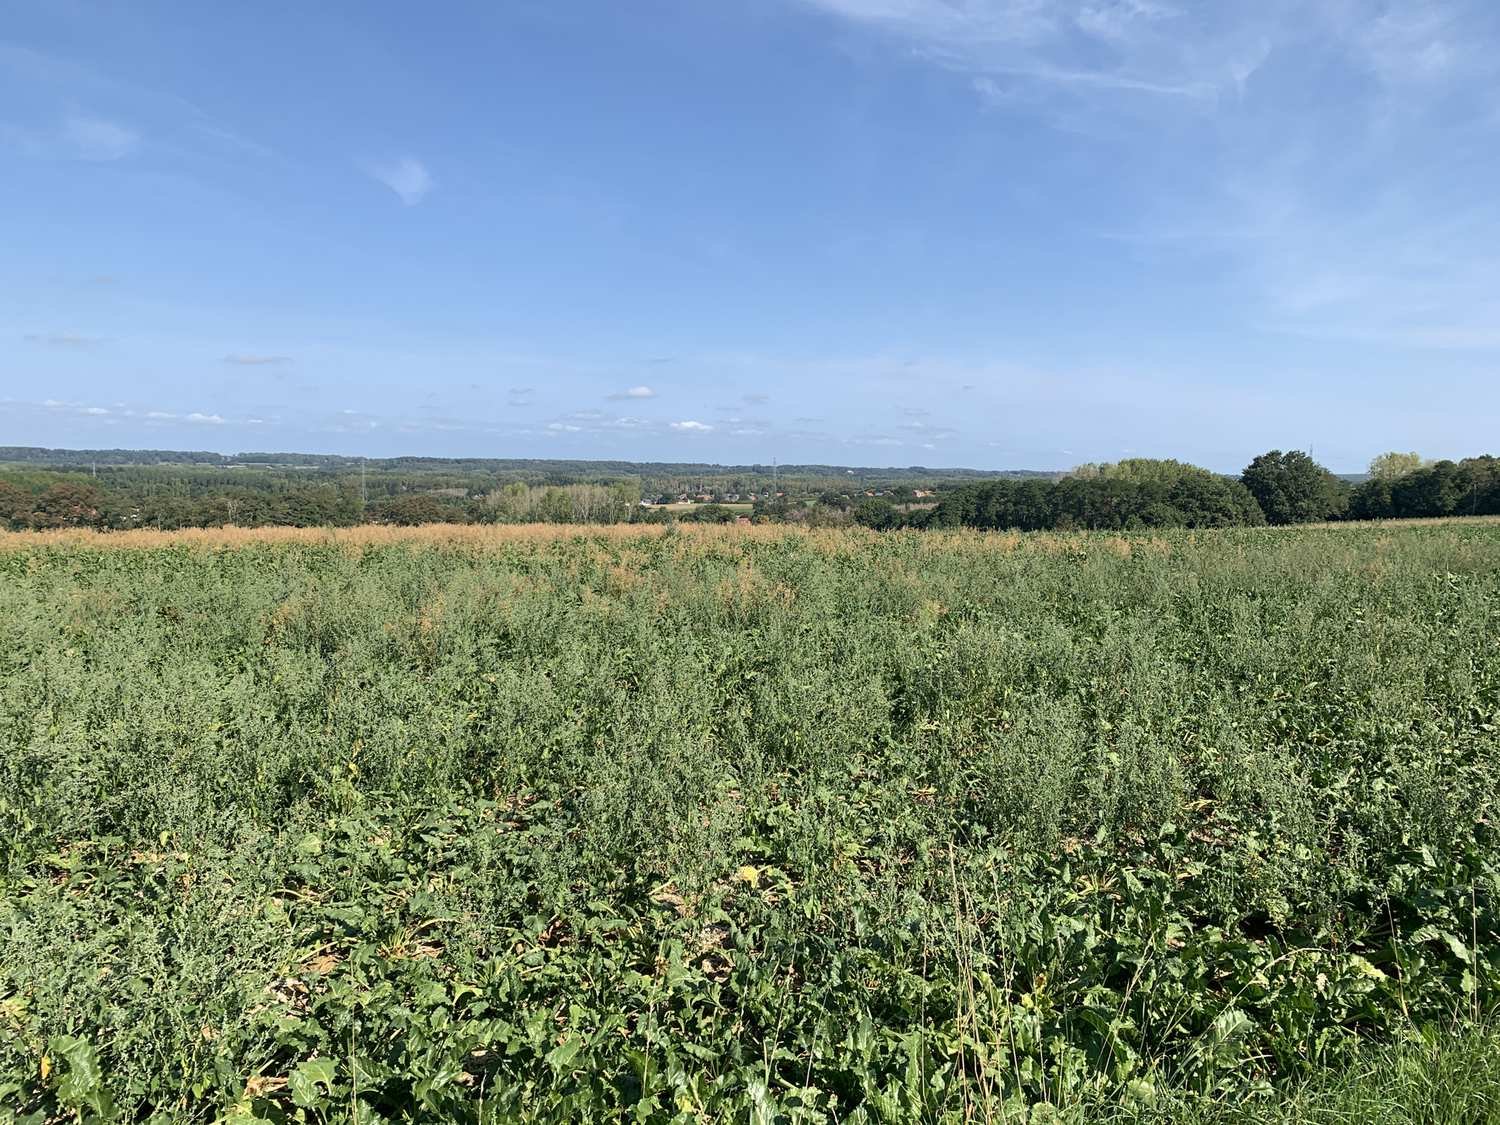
[81, 503]
[1470, 487]
[656, 476]
[1277, 488]
[1130, 494]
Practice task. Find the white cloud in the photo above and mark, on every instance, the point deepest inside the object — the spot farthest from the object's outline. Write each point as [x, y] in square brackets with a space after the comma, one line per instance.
[407, 177]
[95, 411]
[205, 419]
[634, 392]
[691, 427]
[94, 138]
[257, 360]
[563, 427]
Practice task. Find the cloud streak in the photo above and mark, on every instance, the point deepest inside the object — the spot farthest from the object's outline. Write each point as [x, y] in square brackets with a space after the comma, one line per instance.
[1171, 49]
[64, 340]
[1088, 48]
[244, 360]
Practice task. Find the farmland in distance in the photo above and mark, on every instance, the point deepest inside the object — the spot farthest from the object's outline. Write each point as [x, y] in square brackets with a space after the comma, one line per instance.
[711, 824]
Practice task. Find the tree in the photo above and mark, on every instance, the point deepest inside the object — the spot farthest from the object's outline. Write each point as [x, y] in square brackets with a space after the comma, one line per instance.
[1293, 488]
[625, 498]
[556, 506]
[1391, 466]
[15, 505]
[413, 509]
[1147, 470]
[877, 512]
[66, 504]
[1482, 486]
[709, 513]
[1372, 500]
[1436, 490]
[1204, 499]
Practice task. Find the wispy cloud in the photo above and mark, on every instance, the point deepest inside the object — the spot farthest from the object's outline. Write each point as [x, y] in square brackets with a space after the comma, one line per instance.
[928, 431]
[83, 134]
[1361, 214]
[206, 127]
[66, 340]
[1088, 47]
[633, 392]
[97, 139]
[1169, 48]
[691, 427]
[248, 360]
[1415, 43]
[407, 177]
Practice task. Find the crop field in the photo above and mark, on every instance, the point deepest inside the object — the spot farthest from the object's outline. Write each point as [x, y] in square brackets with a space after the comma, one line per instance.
[749, 824]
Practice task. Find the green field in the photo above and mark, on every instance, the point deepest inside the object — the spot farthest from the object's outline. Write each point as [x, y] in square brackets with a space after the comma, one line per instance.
[751, 825]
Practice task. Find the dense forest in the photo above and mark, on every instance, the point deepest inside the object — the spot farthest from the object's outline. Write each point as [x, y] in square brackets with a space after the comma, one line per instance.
[114, 489]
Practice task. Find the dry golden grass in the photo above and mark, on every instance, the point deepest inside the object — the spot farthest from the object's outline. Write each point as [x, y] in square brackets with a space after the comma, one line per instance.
[695, 537]
[365, 535]
[1424, 521]
[705, 539]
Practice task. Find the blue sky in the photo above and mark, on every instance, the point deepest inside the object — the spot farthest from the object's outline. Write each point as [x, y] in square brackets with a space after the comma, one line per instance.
[994, 233]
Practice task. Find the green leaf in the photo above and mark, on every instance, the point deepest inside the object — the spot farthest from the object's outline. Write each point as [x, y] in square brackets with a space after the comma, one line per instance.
[1457, 945]
[304, 1082]
[80, 1084]
[560, 1056]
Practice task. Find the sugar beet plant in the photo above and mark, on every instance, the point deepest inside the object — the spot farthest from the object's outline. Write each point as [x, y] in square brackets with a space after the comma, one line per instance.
[734, 825]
